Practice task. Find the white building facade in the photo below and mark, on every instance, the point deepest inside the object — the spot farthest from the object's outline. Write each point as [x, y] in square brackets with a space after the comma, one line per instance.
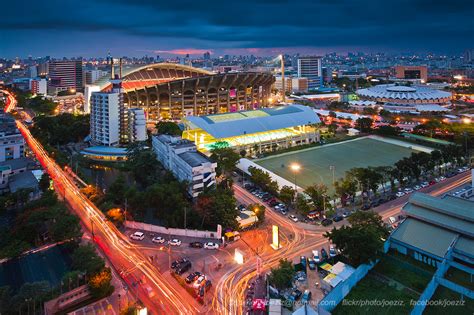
[181, 157]
[12, 144]
[105, 118]
[88, 90]
[136, 125]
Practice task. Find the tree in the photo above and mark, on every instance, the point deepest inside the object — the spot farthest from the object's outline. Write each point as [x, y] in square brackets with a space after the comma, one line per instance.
[282, 276]
[217, 206]
[364, 124]
[362, 242]
[116, 192]
[388, 131]
[168, 128]
[99, 283]
[243, 153]
[65, 225]
[263, 180]
[346, 188]
[44, 182]
[302, 205]
[225, 158]
[287, 194]
[5, 299]
[318, 194]
[143, 165]
[85, 258]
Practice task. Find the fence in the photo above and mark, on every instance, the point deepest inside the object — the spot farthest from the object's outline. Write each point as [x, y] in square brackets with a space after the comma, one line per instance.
[173, 231]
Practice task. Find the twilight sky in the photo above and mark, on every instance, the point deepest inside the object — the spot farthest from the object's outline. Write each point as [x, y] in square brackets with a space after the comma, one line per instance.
[262, 27]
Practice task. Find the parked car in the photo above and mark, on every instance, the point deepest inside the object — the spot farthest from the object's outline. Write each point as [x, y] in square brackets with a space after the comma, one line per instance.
[408, 190]
[392, 197]
[324, 254]
[400, 194]
[365, 207]
[293, 218]
[283, 211]
[303, 262]
[306, 296]
[211, 245]
[196, 245]
[332, 251]
[272, 203]
[337, 218]
[316, 257]
[177, 262]
[158, 240]
[295, 295]
[433, 182]
[417, 187]
[199, 281]
[174, 242]
[192, 277]
[205, 286]
[326, 222]
[346, 214]
[311, 263]
[137, 236]
[424, 184]
[182, 268]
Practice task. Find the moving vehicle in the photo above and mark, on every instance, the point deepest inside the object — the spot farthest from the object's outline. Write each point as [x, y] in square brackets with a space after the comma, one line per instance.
[174, 242]
[158, 240]
[392, 220]
[137, 236]
[211, 245]
[192, 277]
[293, 218]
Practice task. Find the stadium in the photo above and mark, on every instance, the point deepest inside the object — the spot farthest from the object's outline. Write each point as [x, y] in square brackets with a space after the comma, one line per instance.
[173, 91]
[254, 131]
[407, 98]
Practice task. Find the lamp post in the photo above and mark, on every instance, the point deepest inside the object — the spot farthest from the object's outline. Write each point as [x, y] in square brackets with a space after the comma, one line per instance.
[333, 169]
[283, 78]
[295, 167]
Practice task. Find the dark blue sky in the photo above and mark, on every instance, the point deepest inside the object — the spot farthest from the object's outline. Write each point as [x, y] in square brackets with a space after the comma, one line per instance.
[138, 27]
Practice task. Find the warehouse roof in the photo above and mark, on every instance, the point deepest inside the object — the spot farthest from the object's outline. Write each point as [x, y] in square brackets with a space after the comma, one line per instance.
[253, 121]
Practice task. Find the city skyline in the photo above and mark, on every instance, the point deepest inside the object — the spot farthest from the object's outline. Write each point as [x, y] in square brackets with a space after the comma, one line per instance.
[259, 28]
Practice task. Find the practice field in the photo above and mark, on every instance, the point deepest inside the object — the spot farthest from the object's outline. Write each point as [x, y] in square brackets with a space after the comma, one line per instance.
[315, 163]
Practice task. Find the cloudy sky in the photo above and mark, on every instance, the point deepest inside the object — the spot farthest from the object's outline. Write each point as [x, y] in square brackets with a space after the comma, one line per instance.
[262, 27]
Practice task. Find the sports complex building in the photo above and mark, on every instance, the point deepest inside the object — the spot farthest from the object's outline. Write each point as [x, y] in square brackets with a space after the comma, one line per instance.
[255, 131]
[173, 91]
[398, 98]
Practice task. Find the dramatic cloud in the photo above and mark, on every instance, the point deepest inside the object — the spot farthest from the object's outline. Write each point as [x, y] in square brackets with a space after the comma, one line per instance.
[127, 27]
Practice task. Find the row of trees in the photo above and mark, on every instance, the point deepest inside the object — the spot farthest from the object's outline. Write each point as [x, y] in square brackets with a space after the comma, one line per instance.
[38, 104]
[406, 171]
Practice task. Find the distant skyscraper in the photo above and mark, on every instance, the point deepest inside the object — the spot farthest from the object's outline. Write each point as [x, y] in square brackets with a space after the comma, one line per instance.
[66, 75]
[310, 68]
[207, 55]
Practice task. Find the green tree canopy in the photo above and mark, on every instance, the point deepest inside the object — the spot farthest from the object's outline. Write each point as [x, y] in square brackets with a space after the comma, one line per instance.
[225, 158]
[168, 128]
[364, 124]
[282, 276]
[85, 258]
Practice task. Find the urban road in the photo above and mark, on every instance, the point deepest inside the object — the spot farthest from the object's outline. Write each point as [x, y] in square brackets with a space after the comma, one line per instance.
[169, 297]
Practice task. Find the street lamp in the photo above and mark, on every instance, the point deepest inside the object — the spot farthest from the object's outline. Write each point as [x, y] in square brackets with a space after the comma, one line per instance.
[333, 169]
[295, 167]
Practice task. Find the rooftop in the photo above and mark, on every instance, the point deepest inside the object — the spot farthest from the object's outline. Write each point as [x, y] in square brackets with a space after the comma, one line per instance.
[19, 163]
[393, 91]
[194, 159]
[24, 180]
[228, 125]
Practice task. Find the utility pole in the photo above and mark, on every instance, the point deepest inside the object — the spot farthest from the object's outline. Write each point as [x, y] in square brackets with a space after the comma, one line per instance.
[92, 227]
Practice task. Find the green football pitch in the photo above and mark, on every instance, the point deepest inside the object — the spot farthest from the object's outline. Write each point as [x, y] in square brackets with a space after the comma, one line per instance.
[315, 163]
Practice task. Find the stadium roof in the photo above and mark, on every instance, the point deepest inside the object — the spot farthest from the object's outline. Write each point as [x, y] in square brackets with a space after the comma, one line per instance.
[396, 92]
[253, 121]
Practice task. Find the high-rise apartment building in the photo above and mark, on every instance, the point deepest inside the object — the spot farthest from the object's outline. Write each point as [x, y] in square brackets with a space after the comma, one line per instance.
[88, 90]
[136, 125]
[12, 144]
[310, 67]
[105, 118]
[39, 86]
[65, 75]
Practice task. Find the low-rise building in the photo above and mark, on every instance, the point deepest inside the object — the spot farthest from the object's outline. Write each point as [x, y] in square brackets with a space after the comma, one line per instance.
[12, 144]
[181, 157]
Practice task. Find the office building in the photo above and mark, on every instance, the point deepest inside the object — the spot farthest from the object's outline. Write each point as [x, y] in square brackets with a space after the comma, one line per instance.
[136, 125]
[412, 73]
[88, 90]
[12, 144]
[293, 84]
[310, 68]
[181, 157]
[39, 86]
[65, 75]
[91, 76]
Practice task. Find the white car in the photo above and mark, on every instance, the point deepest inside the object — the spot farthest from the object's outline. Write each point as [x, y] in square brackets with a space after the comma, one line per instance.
[174, 242]
[332, 251]
[417, 187]
[408, 190]
[293, 218]
[425, 184]
[211, 245]
[158, 240]
[137, 236]
[316, 257]
[442, 178]
[400, 194]
[199, 281]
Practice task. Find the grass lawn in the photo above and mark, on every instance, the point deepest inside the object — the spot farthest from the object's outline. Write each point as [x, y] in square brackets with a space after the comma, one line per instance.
[466, 306]
[371, 290]
[401, 270]
[345, 155]
[460, 277]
